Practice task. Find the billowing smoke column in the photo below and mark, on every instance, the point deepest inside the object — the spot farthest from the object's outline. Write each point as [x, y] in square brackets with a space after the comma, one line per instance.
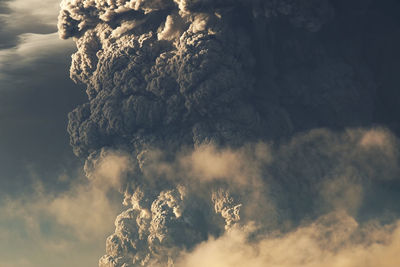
[206, 97]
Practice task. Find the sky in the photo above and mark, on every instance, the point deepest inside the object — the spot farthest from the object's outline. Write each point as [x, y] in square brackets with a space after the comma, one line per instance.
[36, 91]
[235, 133]
[36, 95]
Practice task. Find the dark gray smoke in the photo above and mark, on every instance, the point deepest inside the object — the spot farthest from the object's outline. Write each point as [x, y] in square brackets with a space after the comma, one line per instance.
[214, 101]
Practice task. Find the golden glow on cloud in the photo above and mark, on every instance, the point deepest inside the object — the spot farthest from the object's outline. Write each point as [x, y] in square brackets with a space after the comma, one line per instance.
[334, 240]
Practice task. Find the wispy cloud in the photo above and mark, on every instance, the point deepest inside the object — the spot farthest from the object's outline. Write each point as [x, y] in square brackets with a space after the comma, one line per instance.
[54, 225]
[334, 240]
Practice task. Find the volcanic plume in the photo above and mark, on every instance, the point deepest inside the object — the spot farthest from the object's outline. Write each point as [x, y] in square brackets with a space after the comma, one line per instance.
[239, 118]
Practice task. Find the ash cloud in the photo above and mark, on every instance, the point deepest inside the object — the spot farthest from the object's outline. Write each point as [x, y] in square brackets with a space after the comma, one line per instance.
[262, 199]
[233, 113]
